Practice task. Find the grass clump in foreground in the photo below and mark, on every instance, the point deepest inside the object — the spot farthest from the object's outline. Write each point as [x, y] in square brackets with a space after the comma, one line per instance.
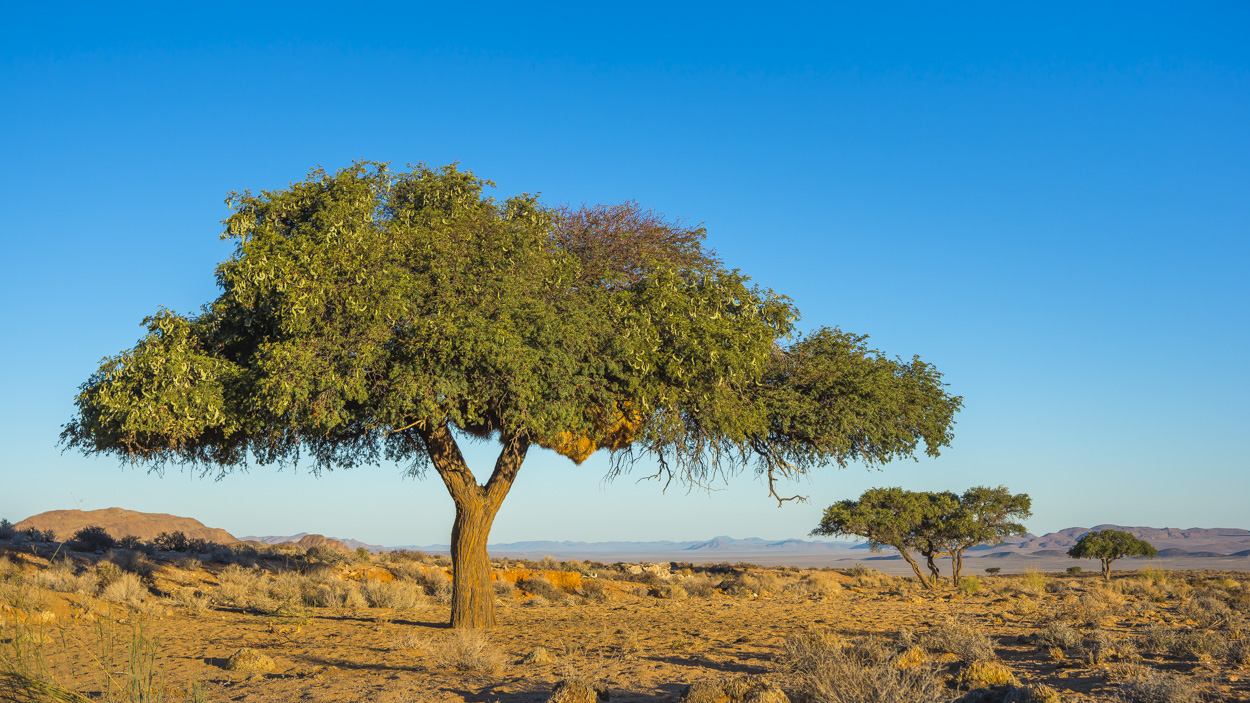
[827, 668]
[467, 650]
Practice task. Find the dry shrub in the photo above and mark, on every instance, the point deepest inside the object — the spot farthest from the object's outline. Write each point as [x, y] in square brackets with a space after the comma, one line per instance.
[338, 594]
[1158, 687]
[824, 668]
[1024, 605]
[1199, 644]
[1059, 635]
[1207, 611]
[863, 577]
[63, 577]
[698, 586]
[432, 580]
[746, 585]
[1239, 651]
[132, 560]
[390, 594]
[467, 650]
[985, 673]
[961, 639]
[538, 585]
[192, 600]
[593, 590]
[1153, 574]
[127, 588]
[505, 588]
[1091, 609]
[814, 584]
[1032, 582]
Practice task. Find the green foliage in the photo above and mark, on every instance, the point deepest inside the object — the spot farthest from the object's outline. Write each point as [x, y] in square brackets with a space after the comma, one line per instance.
[931, 523]
[175, 541]
[993, 569]
[94, 537]
[1074, 570]
[365, 303]
[1110, 545]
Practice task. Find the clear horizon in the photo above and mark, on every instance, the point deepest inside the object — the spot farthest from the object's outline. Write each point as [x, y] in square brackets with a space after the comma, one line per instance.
[1047, 203]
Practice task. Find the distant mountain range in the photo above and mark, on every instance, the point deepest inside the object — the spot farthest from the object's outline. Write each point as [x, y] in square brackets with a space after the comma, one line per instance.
[1171, 542]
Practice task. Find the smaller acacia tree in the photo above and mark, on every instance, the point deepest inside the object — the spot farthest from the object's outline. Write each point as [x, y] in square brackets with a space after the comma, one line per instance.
[1109, 545]
[933, 524]
[886, 517]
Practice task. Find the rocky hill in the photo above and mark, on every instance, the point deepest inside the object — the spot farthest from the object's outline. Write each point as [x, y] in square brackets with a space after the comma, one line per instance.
[120, 523]
[308, 541]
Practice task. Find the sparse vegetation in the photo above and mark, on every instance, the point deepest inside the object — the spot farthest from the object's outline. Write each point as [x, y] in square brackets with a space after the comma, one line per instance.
[829, 669]
[1117, 635]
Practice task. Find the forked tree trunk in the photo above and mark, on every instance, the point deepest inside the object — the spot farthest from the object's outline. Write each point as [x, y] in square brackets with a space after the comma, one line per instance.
[916, 568]
[1106, 569]
[472, 595]
[957, 565]
[933, 569]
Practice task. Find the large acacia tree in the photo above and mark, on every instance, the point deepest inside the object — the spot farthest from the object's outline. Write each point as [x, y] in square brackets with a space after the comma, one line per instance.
[372, 315]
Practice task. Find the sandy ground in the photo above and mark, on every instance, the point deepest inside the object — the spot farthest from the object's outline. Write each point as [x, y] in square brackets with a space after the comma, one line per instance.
[645, 648]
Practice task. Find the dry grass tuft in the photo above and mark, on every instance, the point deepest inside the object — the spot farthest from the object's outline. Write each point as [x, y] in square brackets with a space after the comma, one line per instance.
[985, 673]
[825, 668]
[248, 659]
[467, 650]
[961, 639]
[127, 588]
[1158, 687]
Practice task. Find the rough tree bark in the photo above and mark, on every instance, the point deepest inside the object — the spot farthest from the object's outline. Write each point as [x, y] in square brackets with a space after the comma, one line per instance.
[472, 595]
[916, 568]
[933, 567]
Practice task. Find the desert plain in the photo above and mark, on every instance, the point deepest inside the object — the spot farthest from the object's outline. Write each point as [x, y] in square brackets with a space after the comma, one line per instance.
[254, 622]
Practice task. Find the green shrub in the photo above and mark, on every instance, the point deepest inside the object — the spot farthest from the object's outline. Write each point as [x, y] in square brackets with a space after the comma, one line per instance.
[993, 569]
[130, 542]
[6, 530]
[93, 538]
[171, 542]
[1074, 570]
[969, 585]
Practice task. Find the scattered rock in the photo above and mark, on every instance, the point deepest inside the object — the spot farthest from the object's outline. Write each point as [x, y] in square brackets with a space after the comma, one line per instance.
[578, 691]
[248, 659]
[538, 656]
[744, 689]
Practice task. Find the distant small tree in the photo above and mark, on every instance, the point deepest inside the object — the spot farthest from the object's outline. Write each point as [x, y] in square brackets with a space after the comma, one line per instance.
[1109, 545]
[886, 517]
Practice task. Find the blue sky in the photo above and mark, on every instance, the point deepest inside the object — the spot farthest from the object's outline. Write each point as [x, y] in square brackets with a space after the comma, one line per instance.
[1049, 203]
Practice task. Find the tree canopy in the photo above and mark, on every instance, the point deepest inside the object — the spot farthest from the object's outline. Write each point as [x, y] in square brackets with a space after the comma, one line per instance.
[1108, 546]
[371, 315]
